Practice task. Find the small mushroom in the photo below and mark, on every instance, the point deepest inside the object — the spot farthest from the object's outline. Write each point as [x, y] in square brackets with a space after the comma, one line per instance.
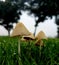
[41, 35]
[29, 37]
[20, 30]
[39, 43]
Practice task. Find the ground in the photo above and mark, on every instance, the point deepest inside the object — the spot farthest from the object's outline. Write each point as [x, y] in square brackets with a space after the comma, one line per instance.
[30, 54]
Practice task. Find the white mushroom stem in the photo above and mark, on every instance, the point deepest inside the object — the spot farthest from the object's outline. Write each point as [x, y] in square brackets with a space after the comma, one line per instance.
[19, 51]
[19, 47]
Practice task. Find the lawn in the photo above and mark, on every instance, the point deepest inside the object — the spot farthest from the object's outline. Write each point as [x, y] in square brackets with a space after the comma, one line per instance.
[30, 54]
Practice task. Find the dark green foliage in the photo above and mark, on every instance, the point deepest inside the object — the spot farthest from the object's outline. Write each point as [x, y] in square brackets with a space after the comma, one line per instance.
[9, 14]
[43, 9]
[30, 54]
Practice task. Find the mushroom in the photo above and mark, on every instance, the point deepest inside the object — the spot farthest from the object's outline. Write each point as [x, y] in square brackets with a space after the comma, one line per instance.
[27, 38]
[20, 30]
[41, 35]
[39, 43]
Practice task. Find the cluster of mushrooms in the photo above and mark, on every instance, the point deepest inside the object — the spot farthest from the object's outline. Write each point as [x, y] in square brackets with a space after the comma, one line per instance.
[21, 31]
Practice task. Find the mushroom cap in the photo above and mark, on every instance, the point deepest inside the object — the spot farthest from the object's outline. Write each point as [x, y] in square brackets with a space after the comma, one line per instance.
[29, 37]
[20, 30]
[39, 43]
[41, 35]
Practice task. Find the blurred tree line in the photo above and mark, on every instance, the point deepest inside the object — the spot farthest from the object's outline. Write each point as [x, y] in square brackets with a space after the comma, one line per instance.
[10, 11]
[9, 14]
[43, 9]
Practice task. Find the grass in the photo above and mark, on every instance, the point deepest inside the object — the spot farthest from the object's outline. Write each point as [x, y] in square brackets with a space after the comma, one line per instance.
[30, 54]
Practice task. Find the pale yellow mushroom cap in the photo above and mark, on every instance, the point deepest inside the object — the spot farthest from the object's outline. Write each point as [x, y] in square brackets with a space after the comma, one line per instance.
[41, 35]
[20, 30]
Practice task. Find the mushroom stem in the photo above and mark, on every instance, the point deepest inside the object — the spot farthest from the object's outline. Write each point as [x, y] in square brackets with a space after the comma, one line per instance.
[19, 52]
[19, 47]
